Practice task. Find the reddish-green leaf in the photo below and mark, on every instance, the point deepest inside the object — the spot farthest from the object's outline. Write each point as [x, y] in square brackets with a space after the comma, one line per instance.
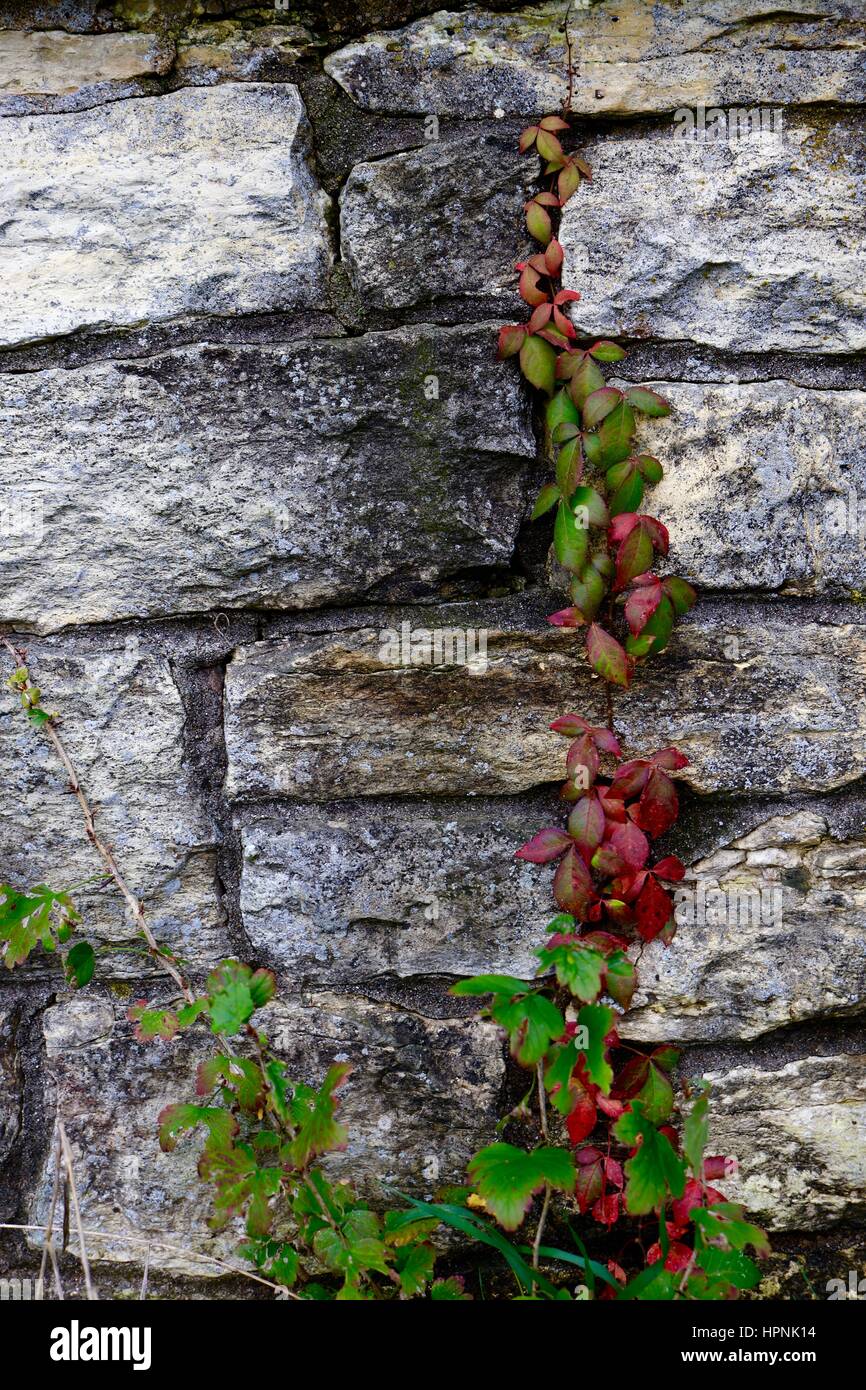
[537, 362]
[606, 657]
[544, 846]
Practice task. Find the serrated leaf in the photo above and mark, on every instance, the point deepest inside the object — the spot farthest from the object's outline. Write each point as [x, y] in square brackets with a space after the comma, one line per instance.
[220, 1124]
[507, 1178]
[597, 1019]
[654, 1170]
[578, 968]
[532, 1022]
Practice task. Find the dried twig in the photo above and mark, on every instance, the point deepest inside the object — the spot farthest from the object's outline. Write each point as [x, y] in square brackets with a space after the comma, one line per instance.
[48, 1240]
[76, 1210]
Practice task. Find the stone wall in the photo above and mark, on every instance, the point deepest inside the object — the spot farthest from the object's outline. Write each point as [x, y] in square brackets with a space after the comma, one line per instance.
[251, 419]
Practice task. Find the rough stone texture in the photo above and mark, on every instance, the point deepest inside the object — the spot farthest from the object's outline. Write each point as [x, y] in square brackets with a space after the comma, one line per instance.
[122, 723]
[55, 63]
[742, 244]
[770, 933]
[280, 477]
[195, 202]
[798, 1134]
[10, 1080]
[360, 889]
[756, 701]
[422, 1094]
[473, 226]
[635, 57]
[764, 485]
[209, 437]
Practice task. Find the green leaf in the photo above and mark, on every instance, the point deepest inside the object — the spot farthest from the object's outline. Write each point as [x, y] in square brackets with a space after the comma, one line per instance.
[655, 1169]
[592, 505]
[561, 410]
[627, 493]
[584, 381]
[235, 992]
[532, 1023]
[490, 984]
[538, 363]
[659, 626]
[730, 1265]
[239, 1074]
[547, 498]
[79, 964]
[578, 968]
[507, 1178]
[650, 468]
[621, 978]
[646, 401]
[177, 1119]
[725, 1220]
[599, 405]
[415, 1268]
[597, 1019]
[615, 434]
[38, 916]
[570, 541]
[656, 1095]
[607, 352]
[559, 1076]
[240, 1184]
[696, 1129]
[313, 1115]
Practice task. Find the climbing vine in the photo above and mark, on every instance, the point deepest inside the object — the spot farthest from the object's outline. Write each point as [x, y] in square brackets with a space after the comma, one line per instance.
[606, 1139]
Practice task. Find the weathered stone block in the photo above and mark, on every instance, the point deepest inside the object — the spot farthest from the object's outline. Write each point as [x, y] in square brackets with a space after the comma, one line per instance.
[355, 890]
[196, 202]
[414, 227]
[635, 58]
[122, 723]
[799, 1136]
[744, 244]
[57, 63]
[770, 933]
[764, 485]
[421, 1097]
[279, 477]
[759, 698]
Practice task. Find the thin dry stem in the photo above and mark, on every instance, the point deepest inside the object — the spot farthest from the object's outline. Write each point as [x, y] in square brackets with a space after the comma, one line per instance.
[76, 1211]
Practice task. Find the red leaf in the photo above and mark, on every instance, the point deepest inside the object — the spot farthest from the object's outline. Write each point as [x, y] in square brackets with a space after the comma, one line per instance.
[589, 1167]
[572, 885]
[546, 845]
[671, 869]
[510, 340]
[693, 1196]
[642, 603]
[553, 257]
[606, 1210]
[658, 807]
[634, 555]
[528, 286]
[630, 778]
[567, 617]
[669, 759]
[715, 1166]
[586, 825]
[657, 533]
[540, 316]
[631, 844]
[621, 526]
[567, 297]
[582, 761]
[653, 909]
[677, 1258]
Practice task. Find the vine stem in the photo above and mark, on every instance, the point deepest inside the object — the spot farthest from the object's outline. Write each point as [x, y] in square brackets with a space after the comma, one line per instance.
[73, 1192]
[132, 902]
[542, 1112]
